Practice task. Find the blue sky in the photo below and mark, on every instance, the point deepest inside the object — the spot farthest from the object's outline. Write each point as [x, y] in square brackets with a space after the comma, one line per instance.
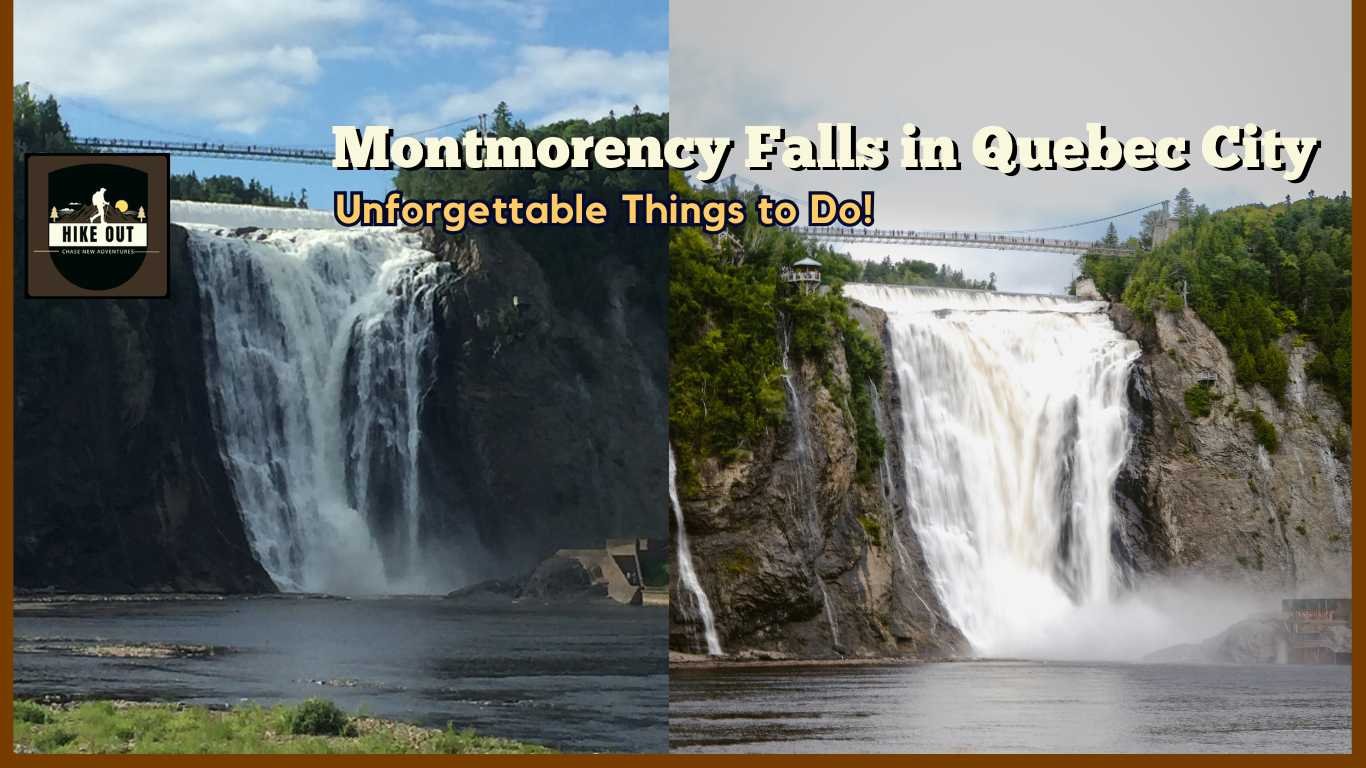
[285, 72]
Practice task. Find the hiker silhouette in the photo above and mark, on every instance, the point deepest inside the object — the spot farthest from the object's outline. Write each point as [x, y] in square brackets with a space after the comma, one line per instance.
[100, 204]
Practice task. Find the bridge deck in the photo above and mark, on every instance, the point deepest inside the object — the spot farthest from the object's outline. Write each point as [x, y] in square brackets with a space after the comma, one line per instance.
[210, 149]
[959, 240]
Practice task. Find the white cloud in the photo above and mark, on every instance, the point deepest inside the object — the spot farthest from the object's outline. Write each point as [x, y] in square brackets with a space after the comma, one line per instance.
[352, 53]
[457, 38]
[230, 62]
[528, 14]
[547, 83]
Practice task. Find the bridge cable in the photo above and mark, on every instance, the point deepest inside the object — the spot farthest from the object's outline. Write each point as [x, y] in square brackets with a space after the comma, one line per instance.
[86, 106]
[443, 125]
[737, 178]
[1070, 226]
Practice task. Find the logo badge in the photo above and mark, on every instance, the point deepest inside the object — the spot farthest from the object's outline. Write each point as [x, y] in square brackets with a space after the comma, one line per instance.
[98, 226]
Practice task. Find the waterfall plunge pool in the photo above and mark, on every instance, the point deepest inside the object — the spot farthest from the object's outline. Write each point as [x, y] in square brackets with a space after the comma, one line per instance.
[1011, 706]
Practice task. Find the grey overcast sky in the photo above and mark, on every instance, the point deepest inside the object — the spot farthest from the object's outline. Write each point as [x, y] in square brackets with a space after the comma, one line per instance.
[1044, 68]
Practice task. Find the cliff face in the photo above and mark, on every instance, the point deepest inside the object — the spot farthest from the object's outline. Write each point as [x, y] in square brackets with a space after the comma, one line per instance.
[546, 423]
[543, 424]
[119, 485]
[799, 558]
[1200, 495]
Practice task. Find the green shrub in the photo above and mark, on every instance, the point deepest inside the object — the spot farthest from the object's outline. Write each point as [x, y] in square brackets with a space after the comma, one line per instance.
[1263, 430]
[865, 362]
[52, 739]
[318, 717]
[1174, 302]
[31, 712]
[1198, 401]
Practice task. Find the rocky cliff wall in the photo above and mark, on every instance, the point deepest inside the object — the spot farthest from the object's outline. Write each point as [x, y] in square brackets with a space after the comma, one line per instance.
[1200, 495]
[798, 557]
[119, 485]
[546, 423]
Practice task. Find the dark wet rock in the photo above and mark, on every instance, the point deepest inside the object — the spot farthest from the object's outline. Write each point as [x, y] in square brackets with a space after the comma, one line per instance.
[546, 423]
[119, 486]
[561, 578]
[500, 590]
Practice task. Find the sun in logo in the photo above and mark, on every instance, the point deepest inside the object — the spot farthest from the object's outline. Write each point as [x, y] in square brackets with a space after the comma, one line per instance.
[122, 205]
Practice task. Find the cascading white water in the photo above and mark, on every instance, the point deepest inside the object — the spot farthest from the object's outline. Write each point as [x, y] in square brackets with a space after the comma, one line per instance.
[318, 354]
[803, 485]
[687, 573]
[1014, 429]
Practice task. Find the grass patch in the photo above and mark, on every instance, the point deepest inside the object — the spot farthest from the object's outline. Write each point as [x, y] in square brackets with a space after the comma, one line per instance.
[872, 528]
[314, 727]
[737, 563]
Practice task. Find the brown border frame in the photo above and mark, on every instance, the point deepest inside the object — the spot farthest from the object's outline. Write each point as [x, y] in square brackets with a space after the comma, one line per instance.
[7, 553]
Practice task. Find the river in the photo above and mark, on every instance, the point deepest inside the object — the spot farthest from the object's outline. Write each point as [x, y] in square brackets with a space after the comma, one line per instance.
[1011, 706]
[589, 677]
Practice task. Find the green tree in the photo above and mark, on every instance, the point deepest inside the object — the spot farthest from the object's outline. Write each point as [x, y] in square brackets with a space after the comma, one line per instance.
[1147, 226]
[502, 120]
[1256, 273]
[1183, 205]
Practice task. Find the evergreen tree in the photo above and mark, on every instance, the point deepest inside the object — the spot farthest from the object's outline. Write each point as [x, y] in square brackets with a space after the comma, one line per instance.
[1184, 205]
[1147, 226]
[502, 119]
[1111, 236]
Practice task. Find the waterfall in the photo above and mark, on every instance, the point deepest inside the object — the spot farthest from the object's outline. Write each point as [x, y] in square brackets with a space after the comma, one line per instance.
[687, 574]
[1013, 431]
[804, 487]
[318, 348]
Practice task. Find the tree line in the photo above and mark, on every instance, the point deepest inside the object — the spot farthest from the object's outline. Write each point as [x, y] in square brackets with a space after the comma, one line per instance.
[225, 188]
[1261, 276]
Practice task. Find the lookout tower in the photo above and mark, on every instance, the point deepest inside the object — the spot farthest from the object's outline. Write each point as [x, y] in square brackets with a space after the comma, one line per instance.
[1165, 226]
[805, 275]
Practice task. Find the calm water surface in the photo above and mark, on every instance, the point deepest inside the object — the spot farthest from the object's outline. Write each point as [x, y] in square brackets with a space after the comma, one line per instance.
[584, 677]
[1009, 706]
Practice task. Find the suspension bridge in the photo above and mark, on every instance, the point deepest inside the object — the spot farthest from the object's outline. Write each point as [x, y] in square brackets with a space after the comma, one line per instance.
[209, 149]
[961, 240]
[1005, 240]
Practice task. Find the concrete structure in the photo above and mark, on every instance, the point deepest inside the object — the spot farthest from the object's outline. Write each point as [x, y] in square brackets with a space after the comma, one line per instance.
[625, 567]
[1319, 630]
[804, 274]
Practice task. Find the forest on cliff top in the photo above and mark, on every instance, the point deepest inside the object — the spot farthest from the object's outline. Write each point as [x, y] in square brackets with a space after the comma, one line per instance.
[1254, 273]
